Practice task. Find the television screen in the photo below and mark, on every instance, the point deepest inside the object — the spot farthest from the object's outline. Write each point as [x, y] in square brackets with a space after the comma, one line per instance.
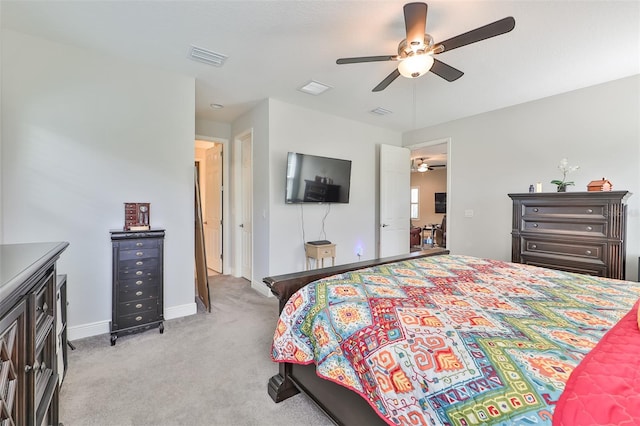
[441, 202]
[314, 179]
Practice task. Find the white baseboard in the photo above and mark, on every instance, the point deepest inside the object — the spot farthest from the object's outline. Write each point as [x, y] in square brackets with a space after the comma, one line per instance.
[180, 311]
[261, 288]
[87, 330]
[103, 327]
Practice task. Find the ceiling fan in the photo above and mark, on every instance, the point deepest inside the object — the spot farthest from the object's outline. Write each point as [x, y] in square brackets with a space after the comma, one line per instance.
[416, 52]
[420, 165]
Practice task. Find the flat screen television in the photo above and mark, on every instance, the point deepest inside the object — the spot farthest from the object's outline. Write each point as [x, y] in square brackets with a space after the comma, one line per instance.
[441, 202]
[315, 179]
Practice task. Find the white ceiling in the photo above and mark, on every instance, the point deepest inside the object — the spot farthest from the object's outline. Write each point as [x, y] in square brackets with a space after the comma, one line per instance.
[274, 47]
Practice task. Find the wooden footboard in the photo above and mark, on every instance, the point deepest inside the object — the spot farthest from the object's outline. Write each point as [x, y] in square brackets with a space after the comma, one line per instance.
[342, 405]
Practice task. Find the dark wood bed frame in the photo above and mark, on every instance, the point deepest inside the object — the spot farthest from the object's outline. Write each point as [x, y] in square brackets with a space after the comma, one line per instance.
[340, 404]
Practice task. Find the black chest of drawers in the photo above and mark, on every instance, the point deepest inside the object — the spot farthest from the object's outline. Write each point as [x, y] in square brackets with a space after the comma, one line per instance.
[580, 232]
[137, 302]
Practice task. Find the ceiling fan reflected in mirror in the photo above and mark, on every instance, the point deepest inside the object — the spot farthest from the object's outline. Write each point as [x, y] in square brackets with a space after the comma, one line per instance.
[420, 165]
[416, 52]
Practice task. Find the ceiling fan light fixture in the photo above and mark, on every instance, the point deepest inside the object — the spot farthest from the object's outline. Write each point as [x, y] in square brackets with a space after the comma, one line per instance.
[423, 167]
[415, 65]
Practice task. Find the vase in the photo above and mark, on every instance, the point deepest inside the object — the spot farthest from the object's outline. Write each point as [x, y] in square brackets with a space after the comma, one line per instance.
[562, 188]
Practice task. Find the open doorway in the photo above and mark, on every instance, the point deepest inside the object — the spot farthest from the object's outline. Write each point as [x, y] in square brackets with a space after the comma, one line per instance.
[430, 183]
[208, 156]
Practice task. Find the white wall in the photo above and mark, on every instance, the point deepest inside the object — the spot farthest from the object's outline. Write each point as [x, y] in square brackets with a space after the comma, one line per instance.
[83, 133]
[350, 226]
[504, 151]
[1, 233]
[213, 129]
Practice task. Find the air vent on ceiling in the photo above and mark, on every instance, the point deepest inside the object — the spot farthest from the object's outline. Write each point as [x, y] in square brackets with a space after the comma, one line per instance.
[314, 88]
[207, 56]
[381, 111]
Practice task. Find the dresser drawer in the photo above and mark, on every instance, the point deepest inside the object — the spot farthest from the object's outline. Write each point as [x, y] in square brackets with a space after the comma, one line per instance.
[137, 319]
[137, 283]
[593, 229]
[594, 211]
[138, 264]
[143, 253]
[578, 249]
[137, 273]
[588, 268]
[138, 294]
[137, 306]
[141, 243]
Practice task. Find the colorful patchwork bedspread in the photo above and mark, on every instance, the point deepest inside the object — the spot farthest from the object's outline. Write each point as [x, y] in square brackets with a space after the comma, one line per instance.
[452, 339]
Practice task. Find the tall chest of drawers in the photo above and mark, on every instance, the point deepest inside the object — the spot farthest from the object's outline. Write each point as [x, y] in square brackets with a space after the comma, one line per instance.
[137, 302]
[581, 232]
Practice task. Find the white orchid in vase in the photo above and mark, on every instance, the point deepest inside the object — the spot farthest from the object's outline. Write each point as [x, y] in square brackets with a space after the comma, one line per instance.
[565, 168]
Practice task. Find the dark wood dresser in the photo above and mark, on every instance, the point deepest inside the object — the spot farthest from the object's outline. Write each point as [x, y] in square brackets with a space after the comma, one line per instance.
[28, 339]
[137, 302]
[581, 232]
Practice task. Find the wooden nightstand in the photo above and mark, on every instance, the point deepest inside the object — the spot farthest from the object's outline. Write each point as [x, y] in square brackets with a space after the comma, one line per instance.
[319, 252]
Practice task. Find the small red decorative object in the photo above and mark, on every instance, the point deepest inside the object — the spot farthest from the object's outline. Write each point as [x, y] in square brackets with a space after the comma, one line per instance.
[600, 185]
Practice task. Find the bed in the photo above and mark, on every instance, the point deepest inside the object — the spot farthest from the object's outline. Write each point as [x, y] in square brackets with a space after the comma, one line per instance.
[433, 338]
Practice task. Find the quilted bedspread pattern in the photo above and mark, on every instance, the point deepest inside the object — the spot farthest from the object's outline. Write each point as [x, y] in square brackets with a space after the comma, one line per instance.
[605, 387]
[452, 339]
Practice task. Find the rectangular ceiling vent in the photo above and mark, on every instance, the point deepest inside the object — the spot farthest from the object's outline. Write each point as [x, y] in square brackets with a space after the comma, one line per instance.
[314, 88]
[381, 111]
[207, 56]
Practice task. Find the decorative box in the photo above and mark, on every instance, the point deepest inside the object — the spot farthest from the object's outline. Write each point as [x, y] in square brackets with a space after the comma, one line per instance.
[600, 185]
[136, 216]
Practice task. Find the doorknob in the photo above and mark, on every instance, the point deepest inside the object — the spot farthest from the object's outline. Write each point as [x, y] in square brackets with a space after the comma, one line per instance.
[241, 225]
[205, 222]
[384, 225]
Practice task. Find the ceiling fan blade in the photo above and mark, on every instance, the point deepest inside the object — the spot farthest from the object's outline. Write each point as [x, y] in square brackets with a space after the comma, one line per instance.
[387, 81]
[415, 21]
[490, 30]
[342, 61]
[445, 71]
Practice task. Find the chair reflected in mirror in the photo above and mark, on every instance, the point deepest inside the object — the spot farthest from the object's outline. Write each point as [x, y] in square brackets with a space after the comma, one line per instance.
[440, 233]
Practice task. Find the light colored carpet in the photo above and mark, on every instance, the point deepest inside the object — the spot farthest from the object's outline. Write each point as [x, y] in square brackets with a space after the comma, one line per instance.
[206, 369]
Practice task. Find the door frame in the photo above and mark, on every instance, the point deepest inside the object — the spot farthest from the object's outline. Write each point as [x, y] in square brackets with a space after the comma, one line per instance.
[226, 241]
[446, 141]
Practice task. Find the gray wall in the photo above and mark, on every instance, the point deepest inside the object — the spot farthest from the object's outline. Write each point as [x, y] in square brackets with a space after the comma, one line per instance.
[83, 133]
[504, 151]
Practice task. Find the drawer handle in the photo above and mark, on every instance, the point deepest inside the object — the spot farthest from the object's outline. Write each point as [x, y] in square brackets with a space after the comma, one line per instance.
[138, 293]
[535, 210]
[535, 225]
[139, 282]
[589, 210]
[138, 318]
[139, 305]
[139, 262]
[139, 253]
[589, 228]
[533, 246]
[138, 272]
[588, 252]
[138, 244]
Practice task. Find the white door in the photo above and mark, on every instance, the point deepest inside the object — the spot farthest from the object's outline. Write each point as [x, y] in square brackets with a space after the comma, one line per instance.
[395, 182]
[213, 208]
[246, 220]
